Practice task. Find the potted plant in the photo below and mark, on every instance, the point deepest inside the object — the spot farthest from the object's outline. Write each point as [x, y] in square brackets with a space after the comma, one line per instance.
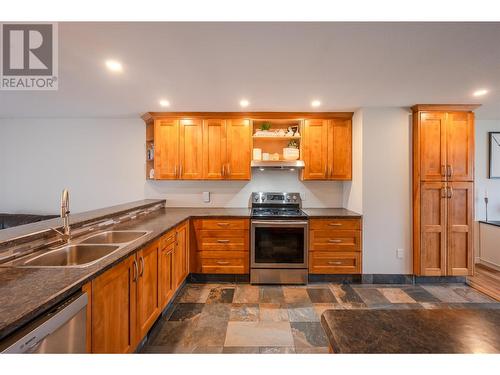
[291, 152]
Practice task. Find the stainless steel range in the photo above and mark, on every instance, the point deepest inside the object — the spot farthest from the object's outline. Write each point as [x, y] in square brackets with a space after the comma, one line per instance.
[279, 243]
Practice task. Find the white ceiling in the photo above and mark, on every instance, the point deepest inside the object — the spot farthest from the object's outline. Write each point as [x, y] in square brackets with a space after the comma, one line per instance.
[276, 66]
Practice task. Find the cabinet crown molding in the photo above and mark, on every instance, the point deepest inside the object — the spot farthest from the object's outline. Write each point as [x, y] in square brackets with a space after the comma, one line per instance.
[149, 116]
[445, 107]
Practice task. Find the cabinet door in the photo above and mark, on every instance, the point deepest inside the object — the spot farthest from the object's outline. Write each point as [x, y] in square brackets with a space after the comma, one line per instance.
[433, 229]
[460, 211]
[432, 146]
[114, 309]
[315, 149]
[239, 149]
[214, 149]
[460, 146]
[340, 150]
[191, 149]
[166, 159]
[181, 256]
[148, 304]
[165, 280]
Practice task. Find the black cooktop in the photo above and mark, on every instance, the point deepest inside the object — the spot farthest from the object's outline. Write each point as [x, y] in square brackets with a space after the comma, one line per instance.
[278, 213]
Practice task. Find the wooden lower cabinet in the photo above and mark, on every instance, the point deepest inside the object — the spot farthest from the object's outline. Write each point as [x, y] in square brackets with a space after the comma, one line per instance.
[165, 264]
[114, 309]
[148, 303]
[335, 246]
[180, 258]
[222, 246]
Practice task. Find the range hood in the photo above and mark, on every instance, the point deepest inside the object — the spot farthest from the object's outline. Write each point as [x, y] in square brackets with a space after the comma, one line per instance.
[281, 164]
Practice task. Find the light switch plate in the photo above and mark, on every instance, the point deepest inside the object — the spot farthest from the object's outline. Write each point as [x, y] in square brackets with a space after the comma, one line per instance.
[400, 253]
[206, 197]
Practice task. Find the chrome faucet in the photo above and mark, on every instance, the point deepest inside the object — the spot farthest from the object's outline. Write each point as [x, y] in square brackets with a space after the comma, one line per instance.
[66, 233]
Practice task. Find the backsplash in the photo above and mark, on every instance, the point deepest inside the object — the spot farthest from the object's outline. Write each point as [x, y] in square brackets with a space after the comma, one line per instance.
[237, 193]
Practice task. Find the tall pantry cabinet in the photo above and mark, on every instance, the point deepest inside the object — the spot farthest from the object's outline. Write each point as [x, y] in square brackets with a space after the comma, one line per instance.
[443, 185]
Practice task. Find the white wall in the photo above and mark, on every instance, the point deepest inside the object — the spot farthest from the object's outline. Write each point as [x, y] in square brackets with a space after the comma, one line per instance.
[481, 173]
[353, 190]
[386, 190]
[101, 161]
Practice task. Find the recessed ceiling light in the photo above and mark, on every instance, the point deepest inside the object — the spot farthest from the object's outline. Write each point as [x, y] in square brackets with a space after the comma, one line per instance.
[480, 92]
[164, 103]
[114, 66]
[244, 103]
[315, 103]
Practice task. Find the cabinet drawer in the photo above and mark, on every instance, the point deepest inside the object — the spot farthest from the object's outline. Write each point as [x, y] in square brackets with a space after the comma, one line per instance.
[167, 239]
[222, 240]
[334, 263]
[335, 240]
[325, 224]
[235, 262]
[222, 224]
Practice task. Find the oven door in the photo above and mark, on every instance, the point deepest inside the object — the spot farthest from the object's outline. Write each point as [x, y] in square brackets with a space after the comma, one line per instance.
[279, 244]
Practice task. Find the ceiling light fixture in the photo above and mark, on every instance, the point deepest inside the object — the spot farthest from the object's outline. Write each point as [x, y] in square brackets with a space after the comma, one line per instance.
[114, 66]
[480, 92]
[164, 103]
[315, 103]
[244, 103]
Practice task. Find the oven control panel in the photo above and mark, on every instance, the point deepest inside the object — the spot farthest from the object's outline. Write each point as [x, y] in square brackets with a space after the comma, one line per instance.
[276, 198]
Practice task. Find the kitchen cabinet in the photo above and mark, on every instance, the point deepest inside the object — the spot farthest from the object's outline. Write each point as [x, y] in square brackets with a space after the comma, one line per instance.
[148, 303]
[114, 309]
[190, 149]
[335, 246]
[327, 149]
[165, 260]
[222, 245]
[443, 184]
[239, 149]
[180, 258]
[166, 146]
[214, 149]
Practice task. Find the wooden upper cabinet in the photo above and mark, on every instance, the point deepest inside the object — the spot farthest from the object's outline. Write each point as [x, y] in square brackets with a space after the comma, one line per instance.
[340, 149]
[315, 149]
[460, 215]
[148, 304]
[166, 158]
[433, 229]
[239, 149]
[432, 146]
[113, 306]
[460, 146]
[214, 149]
[190, 149]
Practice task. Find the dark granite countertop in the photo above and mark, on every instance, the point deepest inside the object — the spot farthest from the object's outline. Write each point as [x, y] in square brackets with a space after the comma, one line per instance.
[491, 222]
[27, 292]
[413, 331]
[330, 212]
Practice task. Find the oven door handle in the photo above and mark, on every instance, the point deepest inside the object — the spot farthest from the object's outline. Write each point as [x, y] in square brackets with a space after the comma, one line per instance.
[279, 222]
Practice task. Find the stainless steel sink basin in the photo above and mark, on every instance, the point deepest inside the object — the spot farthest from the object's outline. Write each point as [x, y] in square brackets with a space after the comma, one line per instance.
[115, 236]
[71, 255]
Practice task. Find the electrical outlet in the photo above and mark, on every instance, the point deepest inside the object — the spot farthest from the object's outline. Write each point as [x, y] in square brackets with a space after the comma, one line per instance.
[400, 253]
[206, 197]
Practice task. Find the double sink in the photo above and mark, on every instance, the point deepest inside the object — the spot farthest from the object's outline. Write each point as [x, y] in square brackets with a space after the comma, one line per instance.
[81, 254]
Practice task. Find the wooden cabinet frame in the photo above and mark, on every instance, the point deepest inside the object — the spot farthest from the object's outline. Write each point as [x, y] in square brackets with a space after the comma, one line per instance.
[443, 163]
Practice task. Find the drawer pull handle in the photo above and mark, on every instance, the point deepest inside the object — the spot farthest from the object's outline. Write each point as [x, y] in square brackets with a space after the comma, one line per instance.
[222, 224]
[335, 224]
[171, 238]
[221, 262]
[337, 262]
[222, 241]
[335, 241]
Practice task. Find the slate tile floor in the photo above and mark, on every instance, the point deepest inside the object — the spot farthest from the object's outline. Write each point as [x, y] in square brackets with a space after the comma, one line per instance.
[243, 318]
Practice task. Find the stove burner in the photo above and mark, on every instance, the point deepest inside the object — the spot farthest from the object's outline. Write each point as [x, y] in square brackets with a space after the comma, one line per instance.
[277, 212]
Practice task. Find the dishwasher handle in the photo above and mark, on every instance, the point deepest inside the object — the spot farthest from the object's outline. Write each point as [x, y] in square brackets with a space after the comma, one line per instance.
[28, 338]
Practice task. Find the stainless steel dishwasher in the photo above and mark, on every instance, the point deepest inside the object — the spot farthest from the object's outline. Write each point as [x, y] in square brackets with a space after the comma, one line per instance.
[60, 330]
